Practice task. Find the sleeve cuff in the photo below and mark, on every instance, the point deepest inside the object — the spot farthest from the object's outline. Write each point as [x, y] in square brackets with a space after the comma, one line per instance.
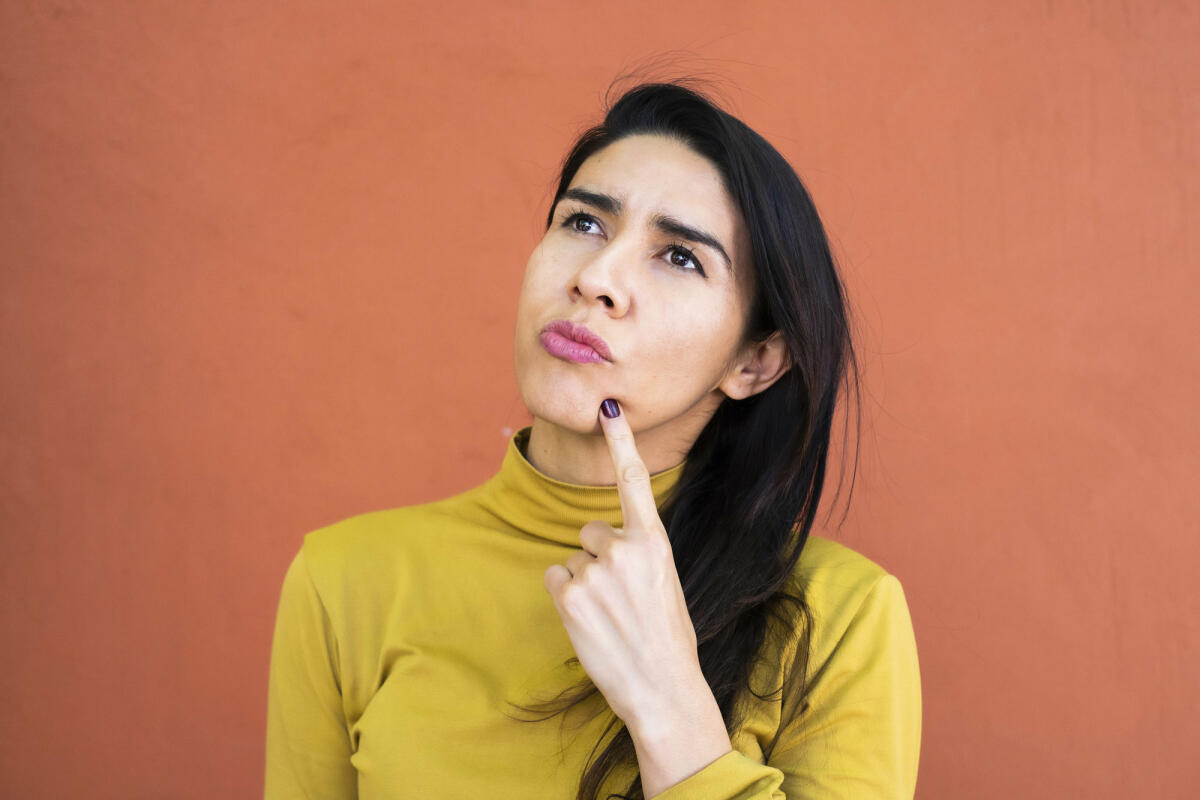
[733, 776]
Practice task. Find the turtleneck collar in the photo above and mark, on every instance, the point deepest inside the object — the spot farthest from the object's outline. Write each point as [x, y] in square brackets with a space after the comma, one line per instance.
[533, 502]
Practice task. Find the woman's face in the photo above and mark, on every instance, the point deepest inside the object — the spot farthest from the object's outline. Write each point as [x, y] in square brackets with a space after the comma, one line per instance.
[616, 259]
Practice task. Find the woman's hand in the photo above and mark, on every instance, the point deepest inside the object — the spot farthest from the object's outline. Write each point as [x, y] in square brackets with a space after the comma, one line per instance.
[621, 601]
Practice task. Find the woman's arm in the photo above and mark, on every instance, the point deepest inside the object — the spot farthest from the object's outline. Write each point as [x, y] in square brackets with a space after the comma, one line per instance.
[308, 743]
[860, 738]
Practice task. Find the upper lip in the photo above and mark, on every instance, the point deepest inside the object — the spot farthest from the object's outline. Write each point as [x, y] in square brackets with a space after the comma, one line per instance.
[579, 333]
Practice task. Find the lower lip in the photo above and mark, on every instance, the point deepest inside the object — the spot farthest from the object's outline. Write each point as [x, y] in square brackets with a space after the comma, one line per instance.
[568, 349]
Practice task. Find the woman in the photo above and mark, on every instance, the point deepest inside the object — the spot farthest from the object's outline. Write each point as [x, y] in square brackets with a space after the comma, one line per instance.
[640, 566]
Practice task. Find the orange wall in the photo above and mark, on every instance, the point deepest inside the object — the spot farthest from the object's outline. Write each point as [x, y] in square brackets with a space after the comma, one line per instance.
[260, 268]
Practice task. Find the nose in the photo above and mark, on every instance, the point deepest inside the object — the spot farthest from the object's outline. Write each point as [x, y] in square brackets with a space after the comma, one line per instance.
[604, 276]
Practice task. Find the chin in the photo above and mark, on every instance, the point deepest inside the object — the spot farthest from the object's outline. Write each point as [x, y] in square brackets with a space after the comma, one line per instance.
[571, 413]
[562, 402]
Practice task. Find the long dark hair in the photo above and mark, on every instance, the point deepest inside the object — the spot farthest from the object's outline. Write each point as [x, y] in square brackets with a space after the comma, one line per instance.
[740, 514]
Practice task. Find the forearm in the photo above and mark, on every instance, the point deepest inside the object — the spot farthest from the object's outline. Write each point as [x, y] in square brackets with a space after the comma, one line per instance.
[678, 736]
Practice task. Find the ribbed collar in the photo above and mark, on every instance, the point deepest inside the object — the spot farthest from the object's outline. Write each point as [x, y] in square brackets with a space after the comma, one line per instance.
[534, 503]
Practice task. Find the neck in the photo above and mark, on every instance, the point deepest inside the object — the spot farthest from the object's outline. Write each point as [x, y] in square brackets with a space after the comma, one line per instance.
[584, 458]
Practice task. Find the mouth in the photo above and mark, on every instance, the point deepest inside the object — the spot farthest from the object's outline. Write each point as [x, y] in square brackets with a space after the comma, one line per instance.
[563, 339]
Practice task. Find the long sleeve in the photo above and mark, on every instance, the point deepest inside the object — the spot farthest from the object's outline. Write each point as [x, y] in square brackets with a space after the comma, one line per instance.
[308, 743]
[861, 736]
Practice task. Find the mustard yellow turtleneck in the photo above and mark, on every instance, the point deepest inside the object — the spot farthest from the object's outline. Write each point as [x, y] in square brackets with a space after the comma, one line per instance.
[401, 634]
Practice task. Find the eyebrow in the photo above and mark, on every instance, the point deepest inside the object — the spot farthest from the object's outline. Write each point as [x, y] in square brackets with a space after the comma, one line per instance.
[667, 224]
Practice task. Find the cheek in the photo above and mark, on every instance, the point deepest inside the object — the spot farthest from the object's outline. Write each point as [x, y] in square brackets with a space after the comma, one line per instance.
[538, 283]
[695, 350]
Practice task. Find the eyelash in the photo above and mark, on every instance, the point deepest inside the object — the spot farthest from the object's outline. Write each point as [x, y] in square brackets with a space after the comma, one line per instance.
[569, 221]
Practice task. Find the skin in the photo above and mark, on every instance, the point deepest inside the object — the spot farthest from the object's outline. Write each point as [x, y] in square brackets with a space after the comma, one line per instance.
[675, 335]
[621, 602]
[675, 340]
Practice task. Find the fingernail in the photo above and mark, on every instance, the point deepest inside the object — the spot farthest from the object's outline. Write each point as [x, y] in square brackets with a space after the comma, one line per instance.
[610, 408]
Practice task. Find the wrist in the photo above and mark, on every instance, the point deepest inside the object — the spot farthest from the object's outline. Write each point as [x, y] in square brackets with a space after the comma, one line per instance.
[689, 707]
[678, 737]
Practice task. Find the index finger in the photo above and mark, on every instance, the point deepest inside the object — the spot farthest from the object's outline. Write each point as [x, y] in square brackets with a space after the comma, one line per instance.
[633, 478]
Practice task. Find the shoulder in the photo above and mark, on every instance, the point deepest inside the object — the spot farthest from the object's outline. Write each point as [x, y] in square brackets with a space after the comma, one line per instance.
[379, 546]
[833, 576]
[833, 569]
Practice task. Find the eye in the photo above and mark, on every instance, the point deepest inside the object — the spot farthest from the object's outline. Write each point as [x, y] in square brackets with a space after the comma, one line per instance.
[573, 222]
[679, 255]
[686, 256]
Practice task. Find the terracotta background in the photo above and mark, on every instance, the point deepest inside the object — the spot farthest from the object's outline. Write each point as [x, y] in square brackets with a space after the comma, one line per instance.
[260, 269]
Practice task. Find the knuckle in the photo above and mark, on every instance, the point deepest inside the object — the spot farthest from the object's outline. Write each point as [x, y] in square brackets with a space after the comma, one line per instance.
[661, 549]
[634, 472]
[571, 600]
[603, 550]
[615, 551]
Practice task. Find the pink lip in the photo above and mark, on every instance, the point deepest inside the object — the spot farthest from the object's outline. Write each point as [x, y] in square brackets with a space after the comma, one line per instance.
[576, 343]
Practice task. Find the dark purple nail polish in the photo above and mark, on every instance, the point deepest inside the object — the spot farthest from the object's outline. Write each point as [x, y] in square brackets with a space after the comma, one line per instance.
[610, 408]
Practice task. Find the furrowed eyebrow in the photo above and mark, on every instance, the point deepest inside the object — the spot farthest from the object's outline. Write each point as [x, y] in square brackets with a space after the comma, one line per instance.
[611, 205]
[676, 228]
[604, 202]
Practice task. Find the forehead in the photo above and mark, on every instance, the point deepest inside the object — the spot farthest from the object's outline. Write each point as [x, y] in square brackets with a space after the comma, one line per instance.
[653, 174]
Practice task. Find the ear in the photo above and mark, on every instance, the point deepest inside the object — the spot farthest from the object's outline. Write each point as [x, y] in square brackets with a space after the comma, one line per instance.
[759, 366]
